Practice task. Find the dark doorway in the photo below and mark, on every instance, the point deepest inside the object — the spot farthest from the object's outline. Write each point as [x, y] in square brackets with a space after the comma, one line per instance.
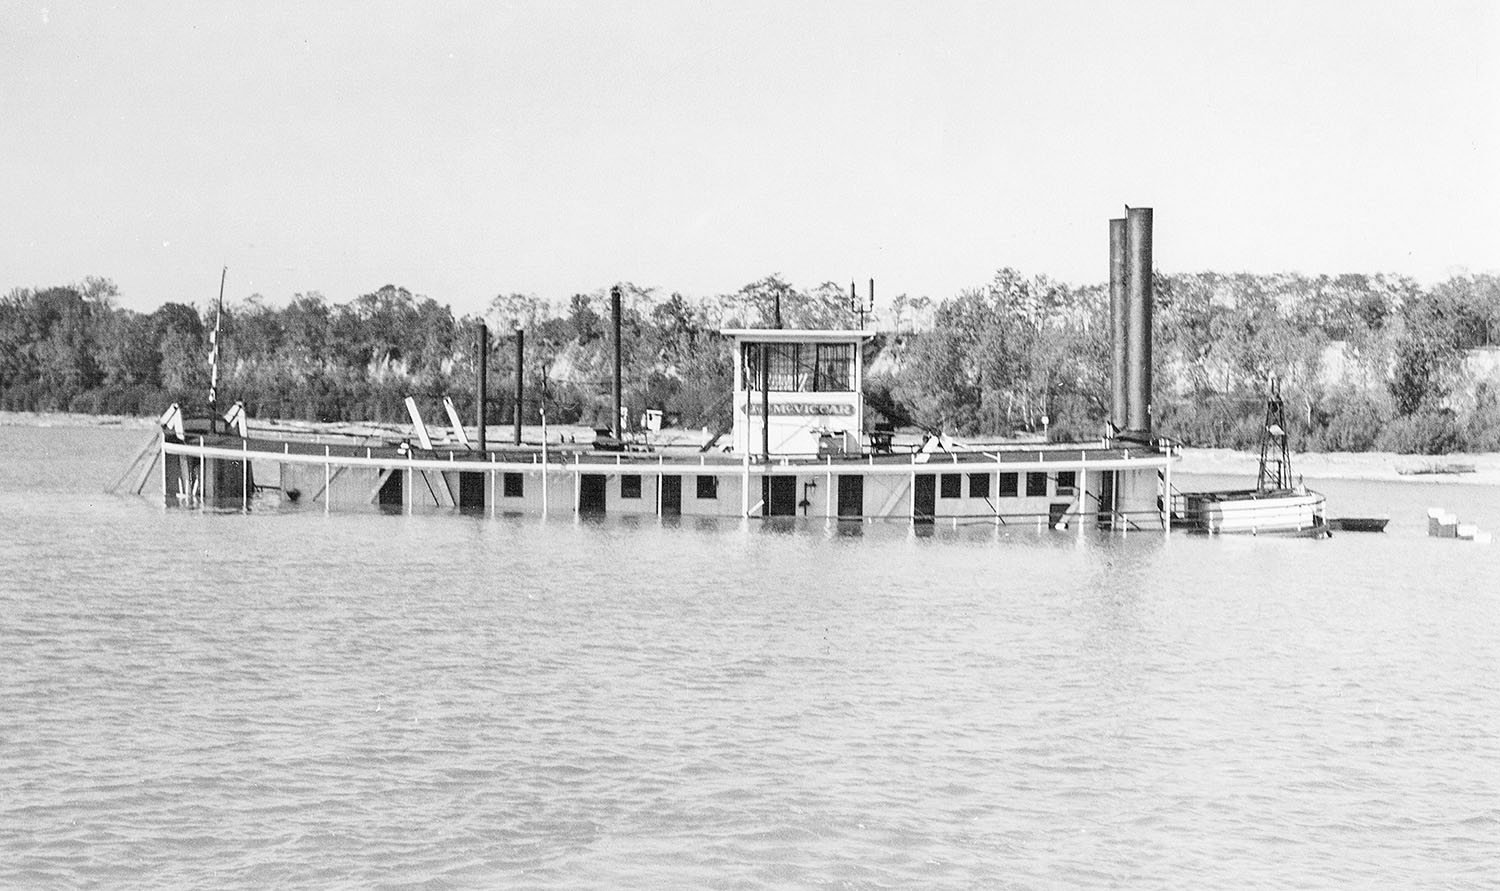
[778, 496]
[390, 490]
[851, 495]
[924, 498]
[1106, 496]
[671, 495]
[1056, 514]
[591, 493]
[471, 490]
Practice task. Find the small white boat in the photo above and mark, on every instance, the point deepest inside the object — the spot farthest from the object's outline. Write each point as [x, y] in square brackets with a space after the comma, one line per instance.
[1259, 512]
[1275, 506]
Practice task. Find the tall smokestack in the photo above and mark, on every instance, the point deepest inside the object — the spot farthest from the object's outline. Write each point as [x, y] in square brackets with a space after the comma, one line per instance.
[1118, 412]
[520, 379]
[482, 395]
[614, 314]
[1140, 291]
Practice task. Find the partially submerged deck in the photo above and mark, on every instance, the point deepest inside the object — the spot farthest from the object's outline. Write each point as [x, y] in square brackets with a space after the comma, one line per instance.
[1087, 484]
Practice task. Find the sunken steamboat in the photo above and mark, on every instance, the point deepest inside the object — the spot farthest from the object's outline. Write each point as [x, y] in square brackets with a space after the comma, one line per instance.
[801, 446]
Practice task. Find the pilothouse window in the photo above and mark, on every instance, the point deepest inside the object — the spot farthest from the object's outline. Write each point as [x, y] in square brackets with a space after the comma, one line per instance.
[835, 368]
[802, 367]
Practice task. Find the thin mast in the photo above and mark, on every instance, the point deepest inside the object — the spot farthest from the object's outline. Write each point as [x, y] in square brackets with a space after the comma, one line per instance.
[213, 360]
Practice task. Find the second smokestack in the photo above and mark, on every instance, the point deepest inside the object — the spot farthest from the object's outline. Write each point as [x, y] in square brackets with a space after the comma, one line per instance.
[1140, 293]
[1118, 328]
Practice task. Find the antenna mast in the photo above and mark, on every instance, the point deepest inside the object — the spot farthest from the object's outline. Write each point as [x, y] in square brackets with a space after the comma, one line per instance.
[213, 360]
[1273, 445]
[858, 308]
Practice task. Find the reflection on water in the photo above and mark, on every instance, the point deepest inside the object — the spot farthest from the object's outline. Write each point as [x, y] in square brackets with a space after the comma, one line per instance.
[294, 698]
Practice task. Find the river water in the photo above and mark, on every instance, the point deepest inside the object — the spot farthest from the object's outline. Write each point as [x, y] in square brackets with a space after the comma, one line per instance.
[290, 699]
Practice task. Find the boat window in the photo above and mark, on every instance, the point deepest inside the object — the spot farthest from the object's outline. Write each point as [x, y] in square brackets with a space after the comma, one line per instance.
[835, 368]
[514, 485]
[806, 361]
[1009, 485]
[786, 370]
[1067, 482]
[752, 366]
[802, 367]
[979, 485]
[630, 485]
[708, 487]
[951, 485]
[1036, 484]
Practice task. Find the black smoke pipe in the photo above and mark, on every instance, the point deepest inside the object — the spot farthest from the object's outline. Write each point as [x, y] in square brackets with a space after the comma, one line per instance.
[614, 313]
[482, 396]
[1118, 413]
[520, 381]
[1140, 290]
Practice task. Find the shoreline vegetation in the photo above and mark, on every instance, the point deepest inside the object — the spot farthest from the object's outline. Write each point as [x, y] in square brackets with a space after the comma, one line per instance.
[1233, 464]
[1365, 363]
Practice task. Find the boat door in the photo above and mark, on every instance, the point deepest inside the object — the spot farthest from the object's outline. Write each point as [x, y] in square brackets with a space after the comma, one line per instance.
[671, 495]
[390, 493]
[779, 496]
[924, 498]
[471, 491]
[1107, 497]
[851, 495]
[591, 493]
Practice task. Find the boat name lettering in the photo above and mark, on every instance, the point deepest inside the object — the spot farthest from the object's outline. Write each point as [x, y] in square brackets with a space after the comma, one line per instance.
[803, 408]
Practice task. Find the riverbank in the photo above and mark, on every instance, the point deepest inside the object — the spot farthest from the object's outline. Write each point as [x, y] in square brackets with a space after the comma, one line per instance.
[1384, 466]
[72, 419]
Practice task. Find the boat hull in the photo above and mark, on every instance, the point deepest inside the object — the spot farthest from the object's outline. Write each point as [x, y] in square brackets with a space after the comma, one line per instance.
[1294, 511]
[1359, 524]
[1043, 485]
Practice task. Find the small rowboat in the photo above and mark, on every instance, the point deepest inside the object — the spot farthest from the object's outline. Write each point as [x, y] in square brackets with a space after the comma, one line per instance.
[1358, 524]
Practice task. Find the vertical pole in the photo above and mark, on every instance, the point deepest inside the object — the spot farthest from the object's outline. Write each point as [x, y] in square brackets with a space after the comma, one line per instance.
[327, 479]
[481, 397]
[521, 381]
[745, 484]
[614, 312]
[765, 401]
[1118, 414]
[1166, 495]
[1083, 497]
[245, 475]
[745, 452]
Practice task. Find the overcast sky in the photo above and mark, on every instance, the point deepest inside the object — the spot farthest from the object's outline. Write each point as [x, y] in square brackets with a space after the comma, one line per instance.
[463, 150]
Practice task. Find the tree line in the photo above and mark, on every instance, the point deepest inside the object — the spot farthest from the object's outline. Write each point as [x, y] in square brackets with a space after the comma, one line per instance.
[1365, 361]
